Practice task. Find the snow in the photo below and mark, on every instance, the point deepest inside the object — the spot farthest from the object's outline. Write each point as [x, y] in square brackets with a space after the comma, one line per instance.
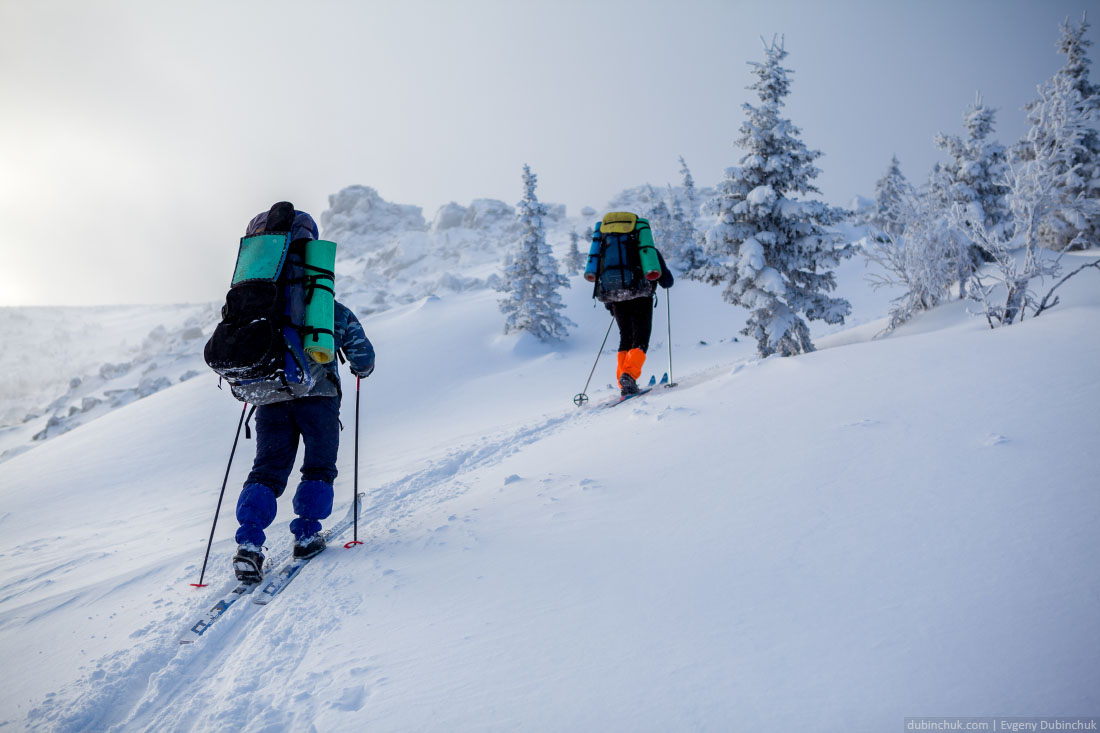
[882, 528]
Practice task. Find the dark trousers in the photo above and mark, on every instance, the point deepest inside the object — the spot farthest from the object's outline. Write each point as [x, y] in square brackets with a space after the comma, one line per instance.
[278, 426]
[635, 321]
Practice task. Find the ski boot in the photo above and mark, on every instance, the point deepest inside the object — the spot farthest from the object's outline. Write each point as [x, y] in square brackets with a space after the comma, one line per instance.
[248, 564]
[308, 547]
[629, 386]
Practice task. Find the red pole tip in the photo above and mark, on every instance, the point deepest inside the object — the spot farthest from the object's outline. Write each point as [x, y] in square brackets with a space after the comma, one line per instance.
[352, 544]
[198, 585]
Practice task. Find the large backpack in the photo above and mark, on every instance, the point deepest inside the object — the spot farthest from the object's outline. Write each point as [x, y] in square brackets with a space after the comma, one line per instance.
[622, 258]
[267, 346]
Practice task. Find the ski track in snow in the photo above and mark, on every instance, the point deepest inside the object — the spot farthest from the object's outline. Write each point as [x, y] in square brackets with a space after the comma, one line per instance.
[126, 690]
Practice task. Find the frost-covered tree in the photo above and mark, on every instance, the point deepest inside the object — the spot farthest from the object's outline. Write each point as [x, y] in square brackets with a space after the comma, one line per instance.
[774, 252]
[575, 260]
[1037, 195]
[688, 184]
[972, 181]
[938, 202]
[973, 177]
[918, 255]
[688, 250]
[660, 220]
[889, 210]
[684, 254]
[531, 279]
[1063, 132]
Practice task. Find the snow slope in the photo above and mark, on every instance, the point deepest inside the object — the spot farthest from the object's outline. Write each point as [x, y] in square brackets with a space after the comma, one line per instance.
[880, 529]
[72, 365]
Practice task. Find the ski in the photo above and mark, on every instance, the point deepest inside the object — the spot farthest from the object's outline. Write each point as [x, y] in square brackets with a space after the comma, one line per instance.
[242, 589]
[289, 570]
[218, 610]
[624, 398]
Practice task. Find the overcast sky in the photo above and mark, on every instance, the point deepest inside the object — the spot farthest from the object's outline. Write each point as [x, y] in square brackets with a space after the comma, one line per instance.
[137, 138]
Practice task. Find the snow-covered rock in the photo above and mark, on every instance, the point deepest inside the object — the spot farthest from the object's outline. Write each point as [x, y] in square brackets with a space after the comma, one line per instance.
[449, 216]
[358, 212]
[488, 213]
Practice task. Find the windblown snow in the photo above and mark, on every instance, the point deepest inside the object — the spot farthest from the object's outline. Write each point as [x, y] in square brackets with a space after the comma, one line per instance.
[884, 528]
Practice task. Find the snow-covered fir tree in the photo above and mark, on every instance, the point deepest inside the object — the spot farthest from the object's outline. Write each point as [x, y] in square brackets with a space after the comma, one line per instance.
[531, 279]
[660, 221]
[774, 252]
[575, 260]
[688, 184]
[936, 208]
[973, 180]
[685, 255]
[688, 252]
[889, 210]
[1037, 197]
[1064, 119]
[975, 174]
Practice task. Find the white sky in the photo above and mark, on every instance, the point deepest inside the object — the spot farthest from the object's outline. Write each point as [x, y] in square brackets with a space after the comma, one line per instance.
[137, 138]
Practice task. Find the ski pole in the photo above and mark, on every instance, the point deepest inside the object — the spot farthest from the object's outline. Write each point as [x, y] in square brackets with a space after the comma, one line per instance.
[668, 319]
[580, 399]
[355, 473]
[217, 511]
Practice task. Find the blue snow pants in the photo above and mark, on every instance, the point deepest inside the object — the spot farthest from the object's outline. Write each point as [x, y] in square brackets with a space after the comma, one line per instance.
[316, 420]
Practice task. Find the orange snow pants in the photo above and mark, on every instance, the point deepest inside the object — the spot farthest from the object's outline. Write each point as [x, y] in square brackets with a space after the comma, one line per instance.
[630, 362]
[635, 320]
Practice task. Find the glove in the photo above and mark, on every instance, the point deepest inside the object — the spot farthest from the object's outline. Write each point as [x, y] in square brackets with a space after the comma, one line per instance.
[363, 373]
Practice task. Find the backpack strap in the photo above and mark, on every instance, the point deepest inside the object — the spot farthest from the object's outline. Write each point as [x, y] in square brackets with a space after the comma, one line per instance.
[247, 430]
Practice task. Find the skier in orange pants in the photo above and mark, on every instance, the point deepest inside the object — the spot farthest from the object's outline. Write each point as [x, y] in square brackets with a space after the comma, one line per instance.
[626, 268]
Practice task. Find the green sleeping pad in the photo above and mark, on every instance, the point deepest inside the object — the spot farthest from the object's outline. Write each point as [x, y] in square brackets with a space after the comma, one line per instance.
[261, 258]
[319, 342]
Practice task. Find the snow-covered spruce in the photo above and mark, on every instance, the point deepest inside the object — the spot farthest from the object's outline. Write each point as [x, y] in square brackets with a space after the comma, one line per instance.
[1063, 135]
[888, 213]
[974, 175]
[686, 250]
[774, 252]
[1037, 198]
[660, 220]
[531, 278]
[973, 180]
[574, 259]
[1053, 194]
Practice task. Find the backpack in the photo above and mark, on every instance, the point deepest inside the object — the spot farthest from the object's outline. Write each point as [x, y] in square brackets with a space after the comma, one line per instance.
[267, 346]
[622, 260]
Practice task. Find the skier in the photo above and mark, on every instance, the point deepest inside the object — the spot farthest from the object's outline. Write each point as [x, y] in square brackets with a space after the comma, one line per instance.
[626, 268]
[315, 418]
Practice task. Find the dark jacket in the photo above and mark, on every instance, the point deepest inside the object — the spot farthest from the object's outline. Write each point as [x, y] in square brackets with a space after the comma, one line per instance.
[352, 340]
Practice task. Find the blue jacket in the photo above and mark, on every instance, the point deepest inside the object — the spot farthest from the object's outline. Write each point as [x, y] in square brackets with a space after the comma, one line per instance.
[353, 341]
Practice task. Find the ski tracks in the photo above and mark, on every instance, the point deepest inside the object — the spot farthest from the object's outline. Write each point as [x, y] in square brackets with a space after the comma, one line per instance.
[152, 684]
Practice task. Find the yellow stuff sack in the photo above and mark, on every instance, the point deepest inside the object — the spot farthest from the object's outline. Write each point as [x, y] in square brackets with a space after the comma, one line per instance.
[619, 222]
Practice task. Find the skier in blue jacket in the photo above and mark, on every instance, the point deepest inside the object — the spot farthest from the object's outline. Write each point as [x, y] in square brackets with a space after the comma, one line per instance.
[315, 418]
